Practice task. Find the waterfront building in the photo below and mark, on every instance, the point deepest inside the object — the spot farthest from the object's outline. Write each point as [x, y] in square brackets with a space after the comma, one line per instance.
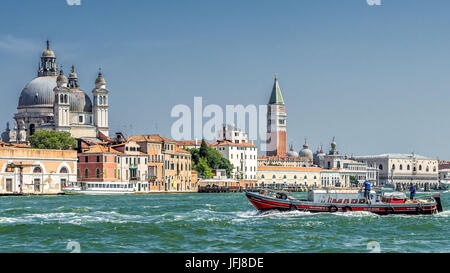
[403, 169]
[345, 166]
[444, 171]
[331, 178]
[38, 171]
[233, 144]
[53, 102]
[169, 165]
[280, 176]
[114, 163]
[243, 156]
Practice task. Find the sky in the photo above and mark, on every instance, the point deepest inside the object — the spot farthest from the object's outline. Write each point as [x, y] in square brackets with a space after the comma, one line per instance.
[374, 77]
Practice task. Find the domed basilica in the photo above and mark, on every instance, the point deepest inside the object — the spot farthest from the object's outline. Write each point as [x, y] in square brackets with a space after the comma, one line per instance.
[53, 102]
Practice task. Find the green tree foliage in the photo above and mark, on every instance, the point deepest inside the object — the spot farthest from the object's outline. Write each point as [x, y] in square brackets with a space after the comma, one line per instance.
[203, 168]
[354, 181]
[52, 140]
[203, 149]
[212, 158]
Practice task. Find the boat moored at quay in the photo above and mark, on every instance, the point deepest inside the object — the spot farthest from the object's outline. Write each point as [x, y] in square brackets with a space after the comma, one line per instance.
[99, 188]
[344, 200]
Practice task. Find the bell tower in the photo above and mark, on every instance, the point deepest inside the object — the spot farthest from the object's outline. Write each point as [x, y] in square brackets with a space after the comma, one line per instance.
[62, 104]
[276, 123]
[100, 110]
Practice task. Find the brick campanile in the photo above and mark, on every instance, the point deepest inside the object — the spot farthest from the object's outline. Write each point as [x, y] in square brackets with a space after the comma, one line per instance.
[276, 123]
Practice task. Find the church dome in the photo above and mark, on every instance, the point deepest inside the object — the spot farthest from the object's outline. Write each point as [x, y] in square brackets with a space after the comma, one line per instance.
[306, 152]
[291, 152]
[38, 92]
[79, 101]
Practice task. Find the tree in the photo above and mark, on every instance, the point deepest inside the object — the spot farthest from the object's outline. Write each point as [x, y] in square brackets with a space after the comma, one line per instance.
[52, 140]
[213, 158]
[203, 169]
[203, 149]
[354, 181]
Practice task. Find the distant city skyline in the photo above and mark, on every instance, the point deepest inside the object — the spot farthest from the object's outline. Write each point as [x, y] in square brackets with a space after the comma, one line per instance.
[374, 77]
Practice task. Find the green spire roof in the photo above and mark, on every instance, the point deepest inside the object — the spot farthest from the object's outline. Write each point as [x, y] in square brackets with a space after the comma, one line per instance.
[276, 97]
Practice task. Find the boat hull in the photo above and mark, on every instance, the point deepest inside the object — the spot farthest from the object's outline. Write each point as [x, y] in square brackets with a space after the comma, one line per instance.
[263, 203]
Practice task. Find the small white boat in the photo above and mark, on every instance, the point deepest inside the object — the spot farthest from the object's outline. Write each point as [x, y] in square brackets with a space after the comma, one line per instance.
[100, 188]
[444, 184]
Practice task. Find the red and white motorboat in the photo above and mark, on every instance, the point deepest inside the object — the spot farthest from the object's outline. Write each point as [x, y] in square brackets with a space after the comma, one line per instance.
[342, 200]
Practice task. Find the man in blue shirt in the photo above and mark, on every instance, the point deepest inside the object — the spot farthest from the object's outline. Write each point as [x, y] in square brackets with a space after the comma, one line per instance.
[367, 190]
[412, 191]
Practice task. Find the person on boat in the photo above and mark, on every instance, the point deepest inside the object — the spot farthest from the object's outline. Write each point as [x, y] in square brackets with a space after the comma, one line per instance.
[367, 190]
[412, 191]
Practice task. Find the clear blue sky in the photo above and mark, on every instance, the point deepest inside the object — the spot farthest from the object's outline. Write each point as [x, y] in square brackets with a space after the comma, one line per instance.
[376, 77]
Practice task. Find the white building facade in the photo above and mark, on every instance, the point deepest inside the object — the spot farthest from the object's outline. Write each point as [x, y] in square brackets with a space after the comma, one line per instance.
[404, 169]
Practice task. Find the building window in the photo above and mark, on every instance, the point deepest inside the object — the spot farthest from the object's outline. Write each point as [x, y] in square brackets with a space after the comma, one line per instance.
[380, 167]
[97, 173]
[408, 168]
[420, 167]
[78, 173]
[63, 170]
[401, 167]
[80, 119]
[86, 173]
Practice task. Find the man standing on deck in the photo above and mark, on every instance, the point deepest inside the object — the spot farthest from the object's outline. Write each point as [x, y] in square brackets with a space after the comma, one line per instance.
[367, 190]
[412, 191]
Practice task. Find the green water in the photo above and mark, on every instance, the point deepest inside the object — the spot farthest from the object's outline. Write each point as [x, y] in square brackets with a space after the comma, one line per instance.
[205, 223]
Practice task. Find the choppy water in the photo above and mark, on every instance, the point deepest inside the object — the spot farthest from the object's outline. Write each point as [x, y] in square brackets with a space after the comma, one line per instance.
[205, 223]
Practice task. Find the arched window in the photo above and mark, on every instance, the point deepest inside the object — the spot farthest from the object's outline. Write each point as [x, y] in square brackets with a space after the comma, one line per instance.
[295, 177]
[380, 167]
[65, 99]
[434, 169]
[393, 166]
[401, 167]
[420, 167]
[97, 172]
[428, 169]
[305, 177]
[86, 173]
[273, 176]
[262, 176]
[284, 177]
[408, 168]
[61, 98]
[37, 170]
[63, 170]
